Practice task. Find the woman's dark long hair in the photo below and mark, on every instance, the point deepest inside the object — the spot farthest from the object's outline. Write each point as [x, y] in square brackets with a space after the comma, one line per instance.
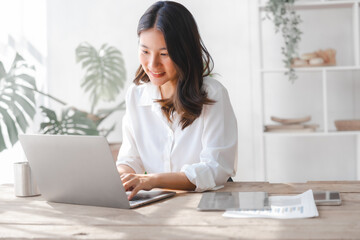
[186, 49]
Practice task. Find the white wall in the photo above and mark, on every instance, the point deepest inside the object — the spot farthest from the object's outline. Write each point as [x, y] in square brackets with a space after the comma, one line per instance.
[223, 26]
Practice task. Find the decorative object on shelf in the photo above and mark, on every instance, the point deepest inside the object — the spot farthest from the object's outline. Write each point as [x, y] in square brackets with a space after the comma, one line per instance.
[286, 21]
[348, 125]
[291, 120]
[291, 125]
[319, 58]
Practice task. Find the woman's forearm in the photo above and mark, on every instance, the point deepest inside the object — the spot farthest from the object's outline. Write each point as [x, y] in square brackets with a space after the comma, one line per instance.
[176, 180]
[136, 182]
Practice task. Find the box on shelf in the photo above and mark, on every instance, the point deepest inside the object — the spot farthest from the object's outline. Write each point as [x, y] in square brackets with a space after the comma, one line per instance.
[348, 125]
[316, 59]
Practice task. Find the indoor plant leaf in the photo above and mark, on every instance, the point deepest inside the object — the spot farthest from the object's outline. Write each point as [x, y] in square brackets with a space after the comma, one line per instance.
[10, 125]
[16, 100]
[72, 122]
[2, 141]
[105, 72]
[286, 21]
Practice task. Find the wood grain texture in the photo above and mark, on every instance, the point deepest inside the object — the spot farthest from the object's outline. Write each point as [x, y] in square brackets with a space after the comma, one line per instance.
[177, 218]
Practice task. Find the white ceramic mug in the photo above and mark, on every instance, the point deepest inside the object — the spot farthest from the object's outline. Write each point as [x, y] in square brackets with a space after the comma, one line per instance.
[24, 184]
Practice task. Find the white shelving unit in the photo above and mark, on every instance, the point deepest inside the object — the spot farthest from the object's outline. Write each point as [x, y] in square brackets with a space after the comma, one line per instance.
[324, 72]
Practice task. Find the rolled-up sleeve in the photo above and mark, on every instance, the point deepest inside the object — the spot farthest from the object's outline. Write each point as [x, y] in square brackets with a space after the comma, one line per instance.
[129, 154]
[218, 158]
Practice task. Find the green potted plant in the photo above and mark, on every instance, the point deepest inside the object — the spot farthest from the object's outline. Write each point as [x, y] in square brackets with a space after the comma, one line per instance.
[104, 78]
[286, 21]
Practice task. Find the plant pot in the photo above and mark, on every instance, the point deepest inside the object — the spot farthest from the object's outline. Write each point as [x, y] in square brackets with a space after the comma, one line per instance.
[115, 147]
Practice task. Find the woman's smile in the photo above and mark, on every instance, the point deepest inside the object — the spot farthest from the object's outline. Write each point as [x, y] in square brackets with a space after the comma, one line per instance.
[157, 74]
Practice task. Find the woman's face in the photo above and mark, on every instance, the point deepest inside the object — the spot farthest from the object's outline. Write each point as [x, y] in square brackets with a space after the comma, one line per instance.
[154, 58]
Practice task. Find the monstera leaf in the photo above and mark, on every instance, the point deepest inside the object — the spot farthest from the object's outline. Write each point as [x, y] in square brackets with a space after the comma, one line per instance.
[105, 72]
[72, 122]
[17, 100]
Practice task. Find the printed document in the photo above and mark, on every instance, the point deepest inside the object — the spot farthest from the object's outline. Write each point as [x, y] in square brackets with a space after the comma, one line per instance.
[282, 207]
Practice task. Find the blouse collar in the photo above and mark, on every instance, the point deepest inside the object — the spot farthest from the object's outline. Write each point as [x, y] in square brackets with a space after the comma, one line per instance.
[150, 94]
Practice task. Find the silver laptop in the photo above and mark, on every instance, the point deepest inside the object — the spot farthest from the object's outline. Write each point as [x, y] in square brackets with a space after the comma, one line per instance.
[80, 170]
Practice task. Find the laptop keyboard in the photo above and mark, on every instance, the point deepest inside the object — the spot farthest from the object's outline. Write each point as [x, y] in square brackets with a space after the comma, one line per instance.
[138, 197]
[143, 197]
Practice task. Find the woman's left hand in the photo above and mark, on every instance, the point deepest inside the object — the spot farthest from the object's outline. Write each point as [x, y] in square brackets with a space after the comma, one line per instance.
[136, 182]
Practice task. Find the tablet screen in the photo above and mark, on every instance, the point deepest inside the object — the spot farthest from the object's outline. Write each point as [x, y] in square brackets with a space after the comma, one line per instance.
[220, 201]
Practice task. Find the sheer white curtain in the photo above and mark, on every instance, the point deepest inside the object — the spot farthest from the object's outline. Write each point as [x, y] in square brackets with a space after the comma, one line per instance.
[23, 30]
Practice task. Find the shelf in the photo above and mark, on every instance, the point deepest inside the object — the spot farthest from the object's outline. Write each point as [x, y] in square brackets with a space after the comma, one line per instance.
[320, 4]
[312, 134]
[323, 92]
[311, 69]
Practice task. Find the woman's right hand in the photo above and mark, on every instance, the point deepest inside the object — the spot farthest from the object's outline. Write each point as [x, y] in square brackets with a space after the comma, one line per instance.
[136, 182]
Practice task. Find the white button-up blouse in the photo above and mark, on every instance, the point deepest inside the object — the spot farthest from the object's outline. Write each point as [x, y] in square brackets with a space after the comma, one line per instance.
[206, 151]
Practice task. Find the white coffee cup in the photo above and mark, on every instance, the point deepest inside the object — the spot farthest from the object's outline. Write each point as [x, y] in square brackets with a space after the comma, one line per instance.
[24, 184]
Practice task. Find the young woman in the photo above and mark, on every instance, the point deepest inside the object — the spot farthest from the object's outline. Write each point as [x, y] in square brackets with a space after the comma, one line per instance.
[179, 130]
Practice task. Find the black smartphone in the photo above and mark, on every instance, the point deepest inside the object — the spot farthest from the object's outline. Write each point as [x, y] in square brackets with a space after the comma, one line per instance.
[327, 198]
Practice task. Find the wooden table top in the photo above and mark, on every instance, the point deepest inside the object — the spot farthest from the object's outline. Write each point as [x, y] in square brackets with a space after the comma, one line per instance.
[177, 217]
